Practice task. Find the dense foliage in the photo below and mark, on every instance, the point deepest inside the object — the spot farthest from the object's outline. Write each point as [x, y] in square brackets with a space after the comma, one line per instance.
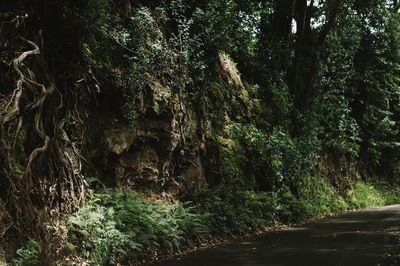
[325, 72]
[271, 93]
[120, 226]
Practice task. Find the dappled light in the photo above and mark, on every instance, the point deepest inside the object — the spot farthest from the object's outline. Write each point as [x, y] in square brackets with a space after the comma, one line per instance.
[141, 131]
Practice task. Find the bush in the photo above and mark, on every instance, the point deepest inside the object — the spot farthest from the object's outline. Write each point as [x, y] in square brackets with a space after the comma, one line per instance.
[365, 195]
[232, 211]
[118, 224]
[273, 158]
[28, 255]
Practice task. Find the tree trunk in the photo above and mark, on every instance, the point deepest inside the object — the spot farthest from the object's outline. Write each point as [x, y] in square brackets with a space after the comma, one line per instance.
[304, 68]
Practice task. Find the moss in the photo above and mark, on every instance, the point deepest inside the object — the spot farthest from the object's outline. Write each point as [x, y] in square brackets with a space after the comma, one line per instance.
[99, 63]
[192, 130]
[18, 168]
[209, 130]
[230, 165]
[229, 70]
[21, 141]
[11, 114]
[156, 107]
[72, 156]
[229, 101]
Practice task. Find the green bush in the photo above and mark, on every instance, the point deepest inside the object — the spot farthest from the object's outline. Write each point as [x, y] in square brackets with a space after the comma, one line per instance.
[29, 255]
[269, 157]
[232, 211]
[118, 224]
[391, 194]
[365, 195]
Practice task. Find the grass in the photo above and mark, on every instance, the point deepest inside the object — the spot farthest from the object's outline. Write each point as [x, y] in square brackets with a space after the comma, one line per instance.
[366, 195]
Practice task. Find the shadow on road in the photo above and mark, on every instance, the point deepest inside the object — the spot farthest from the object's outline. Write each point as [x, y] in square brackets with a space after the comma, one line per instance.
[356, 238]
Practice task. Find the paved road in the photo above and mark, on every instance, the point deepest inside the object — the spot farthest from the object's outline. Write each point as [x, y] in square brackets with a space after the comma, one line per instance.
[356, 238]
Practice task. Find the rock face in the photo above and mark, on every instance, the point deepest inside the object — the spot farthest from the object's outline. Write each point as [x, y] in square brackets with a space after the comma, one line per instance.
[141, 158]
[167, 150]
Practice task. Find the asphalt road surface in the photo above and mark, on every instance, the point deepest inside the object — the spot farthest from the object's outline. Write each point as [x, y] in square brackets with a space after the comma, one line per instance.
[354, 238]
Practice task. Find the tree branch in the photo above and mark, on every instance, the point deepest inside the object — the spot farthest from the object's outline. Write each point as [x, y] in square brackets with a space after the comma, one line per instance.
[327, 27]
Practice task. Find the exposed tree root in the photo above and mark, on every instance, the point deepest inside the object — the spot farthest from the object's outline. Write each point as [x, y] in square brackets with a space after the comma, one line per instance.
[40, 166]
[17, 61]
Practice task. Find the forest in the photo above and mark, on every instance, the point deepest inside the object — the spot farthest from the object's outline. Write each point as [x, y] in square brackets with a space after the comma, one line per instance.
[132, 130]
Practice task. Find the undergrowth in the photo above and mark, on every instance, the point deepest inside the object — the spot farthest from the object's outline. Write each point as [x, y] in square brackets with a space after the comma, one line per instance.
[365, 195]
[121, 226]
[28, 255]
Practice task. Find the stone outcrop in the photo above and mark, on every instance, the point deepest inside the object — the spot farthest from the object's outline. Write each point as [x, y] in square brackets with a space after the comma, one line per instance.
[167, 150]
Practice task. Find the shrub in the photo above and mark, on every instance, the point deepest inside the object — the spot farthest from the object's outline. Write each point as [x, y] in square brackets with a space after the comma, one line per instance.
[29, 255]
[365, 195]
[274, 159]
[118, 224]
[231, 211]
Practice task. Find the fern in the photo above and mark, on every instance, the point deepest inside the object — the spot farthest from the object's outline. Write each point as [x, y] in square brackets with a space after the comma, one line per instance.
[28, 255]
[118, 224]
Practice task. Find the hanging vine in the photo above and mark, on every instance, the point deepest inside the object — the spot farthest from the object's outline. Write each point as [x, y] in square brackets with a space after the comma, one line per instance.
[40, 161]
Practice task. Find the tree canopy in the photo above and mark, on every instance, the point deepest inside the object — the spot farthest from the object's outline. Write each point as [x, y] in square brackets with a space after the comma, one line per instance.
[216, 102]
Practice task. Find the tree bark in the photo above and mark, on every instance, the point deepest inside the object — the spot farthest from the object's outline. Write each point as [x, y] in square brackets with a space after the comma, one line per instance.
[282, 20]
[301, 82]
[309, 91]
